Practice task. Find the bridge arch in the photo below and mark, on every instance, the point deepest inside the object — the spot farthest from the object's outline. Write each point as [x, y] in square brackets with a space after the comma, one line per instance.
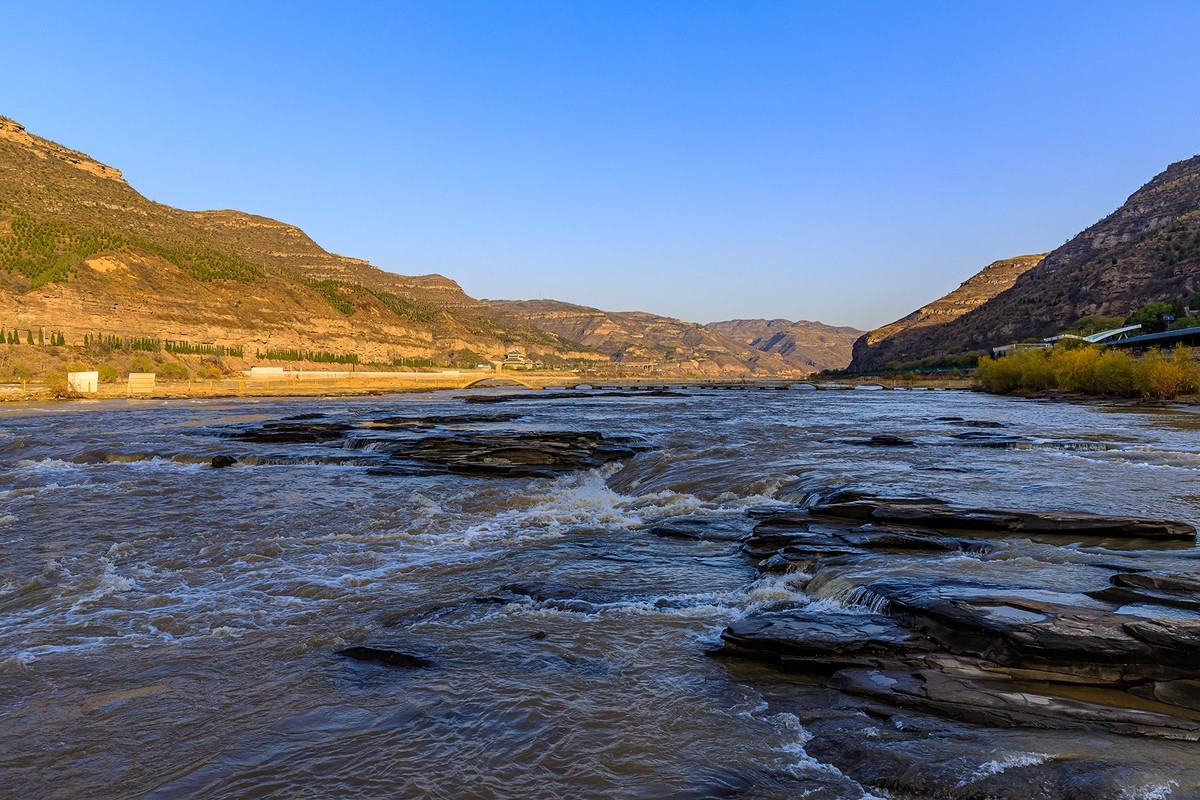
[497, 381]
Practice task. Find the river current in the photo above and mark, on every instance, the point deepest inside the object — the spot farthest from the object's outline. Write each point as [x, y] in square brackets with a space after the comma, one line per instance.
[169, 630]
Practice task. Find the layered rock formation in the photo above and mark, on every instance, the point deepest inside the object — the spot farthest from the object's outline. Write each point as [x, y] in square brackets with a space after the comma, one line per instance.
[805, 345]
[1117, 654]
[1147, 250]
[640, 341]
[390, 445]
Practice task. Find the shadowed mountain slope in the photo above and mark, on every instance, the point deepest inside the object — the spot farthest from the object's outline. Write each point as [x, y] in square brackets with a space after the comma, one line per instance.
[911, 337]
[1147, 250]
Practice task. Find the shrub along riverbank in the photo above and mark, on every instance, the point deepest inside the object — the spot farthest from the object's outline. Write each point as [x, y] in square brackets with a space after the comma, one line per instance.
[1092, 370]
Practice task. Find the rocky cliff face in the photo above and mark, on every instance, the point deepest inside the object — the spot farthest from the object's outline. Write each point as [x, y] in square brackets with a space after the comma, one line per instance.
[910, 338]
[805, 345]
[1147, 250]
[82, 252]
[641, 341]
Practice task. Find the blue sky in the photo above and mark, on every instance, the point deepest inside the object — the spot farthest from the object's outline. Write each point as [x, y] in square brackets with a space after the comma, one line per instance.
[837, 161]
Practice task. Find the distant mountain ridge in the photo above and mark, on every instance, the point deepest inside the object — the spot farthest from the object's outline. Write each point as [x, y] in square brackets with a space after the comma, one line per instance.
[639, 340]
[803, 344]
[1147, 250]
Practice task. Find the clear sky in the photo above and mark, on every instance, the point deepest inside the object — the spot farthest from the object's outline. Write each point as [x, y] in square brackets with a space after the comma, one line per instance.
[844, 161]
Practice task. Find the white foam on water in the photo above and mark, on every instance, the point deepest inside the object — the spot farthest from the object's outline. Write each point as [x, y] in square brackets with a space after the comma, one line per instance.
[584, 501]
[1157, 791]
[109, 582]
[49, 465]
[774, 589]
[796, 760]
[1138, 457]
[999, 765]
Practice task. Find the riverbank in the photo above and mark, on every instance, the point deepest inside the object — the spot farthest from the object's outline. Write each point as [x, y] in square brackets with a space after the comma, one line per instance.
[1182, 401]
[1093, 371]
[368, 383]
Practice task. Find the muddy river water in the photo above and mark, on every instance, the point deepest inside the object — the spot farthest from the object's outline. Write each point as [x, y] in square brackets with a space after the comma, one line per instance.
[171, 630]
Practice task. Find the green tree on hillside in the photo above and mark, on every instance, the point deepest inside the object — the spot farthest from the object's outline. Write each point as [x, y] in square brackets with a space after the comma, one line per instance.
[1152, 316]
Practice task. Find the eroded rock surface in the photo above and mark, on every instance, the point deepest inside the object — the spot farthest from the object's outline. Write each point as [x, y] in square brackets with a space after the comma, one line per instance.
[404, 445]
[1120, 652]
[940, 516]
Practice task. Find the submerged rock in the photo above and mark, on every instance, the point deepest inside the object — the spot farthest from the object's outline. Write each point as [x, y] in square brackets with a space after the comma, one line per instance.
[220, 462]
[542, 592]
[884, 441]
[523, 454]
[701, 529]
[293, 431]
[390, 658]
[993, 440]
[388, 446]
[435, 420]
[1185, 693]
[820, 640]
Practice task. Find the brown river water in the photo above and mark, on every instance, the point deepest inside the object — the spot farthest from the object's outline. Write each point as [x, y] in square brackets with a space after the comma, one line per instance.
[169, 630]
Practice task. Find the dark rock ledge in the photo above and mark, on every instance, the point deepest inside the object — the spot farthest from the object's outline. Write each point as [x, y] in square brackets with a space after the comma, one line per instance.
[523, 454]
[976, 651]
[940, 516]
[393, 445]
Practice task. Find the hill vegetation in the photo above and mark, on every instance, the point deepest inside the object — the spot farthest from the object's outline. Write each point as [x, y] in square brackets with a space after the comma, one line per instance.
[1092, 370]
[81, 252]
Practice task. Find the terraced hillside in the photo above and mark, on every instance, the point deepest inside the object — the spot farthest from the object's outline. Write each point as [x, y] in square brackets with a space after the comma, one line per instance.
[82, 252]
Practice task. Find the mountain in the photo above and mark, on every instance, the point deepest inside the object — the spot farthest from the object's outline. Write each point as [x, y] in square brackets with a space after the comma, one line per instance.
[910, 338]
[81, 252]
[641, 341]
[807, 346]
[1147, 250]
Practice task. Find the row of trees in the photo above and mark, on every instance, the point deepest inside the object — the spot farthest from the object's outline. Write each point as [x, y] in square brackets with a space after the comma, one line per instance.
[146, 344]
[189, 349]
[316, 356]
[54, 338]
[151, 345]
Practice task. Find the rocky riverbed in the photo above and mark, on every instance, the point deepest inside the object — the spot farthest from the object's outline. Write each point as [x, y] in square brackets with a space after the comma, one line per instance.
[685, 594]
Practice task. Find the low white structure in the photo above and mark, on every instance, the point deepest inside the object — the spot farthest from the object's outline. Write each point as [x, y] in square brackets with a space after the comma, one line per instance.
[1004, 350]
[1115, 334]
[259, 373]
[83, 382]
[141, 382]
